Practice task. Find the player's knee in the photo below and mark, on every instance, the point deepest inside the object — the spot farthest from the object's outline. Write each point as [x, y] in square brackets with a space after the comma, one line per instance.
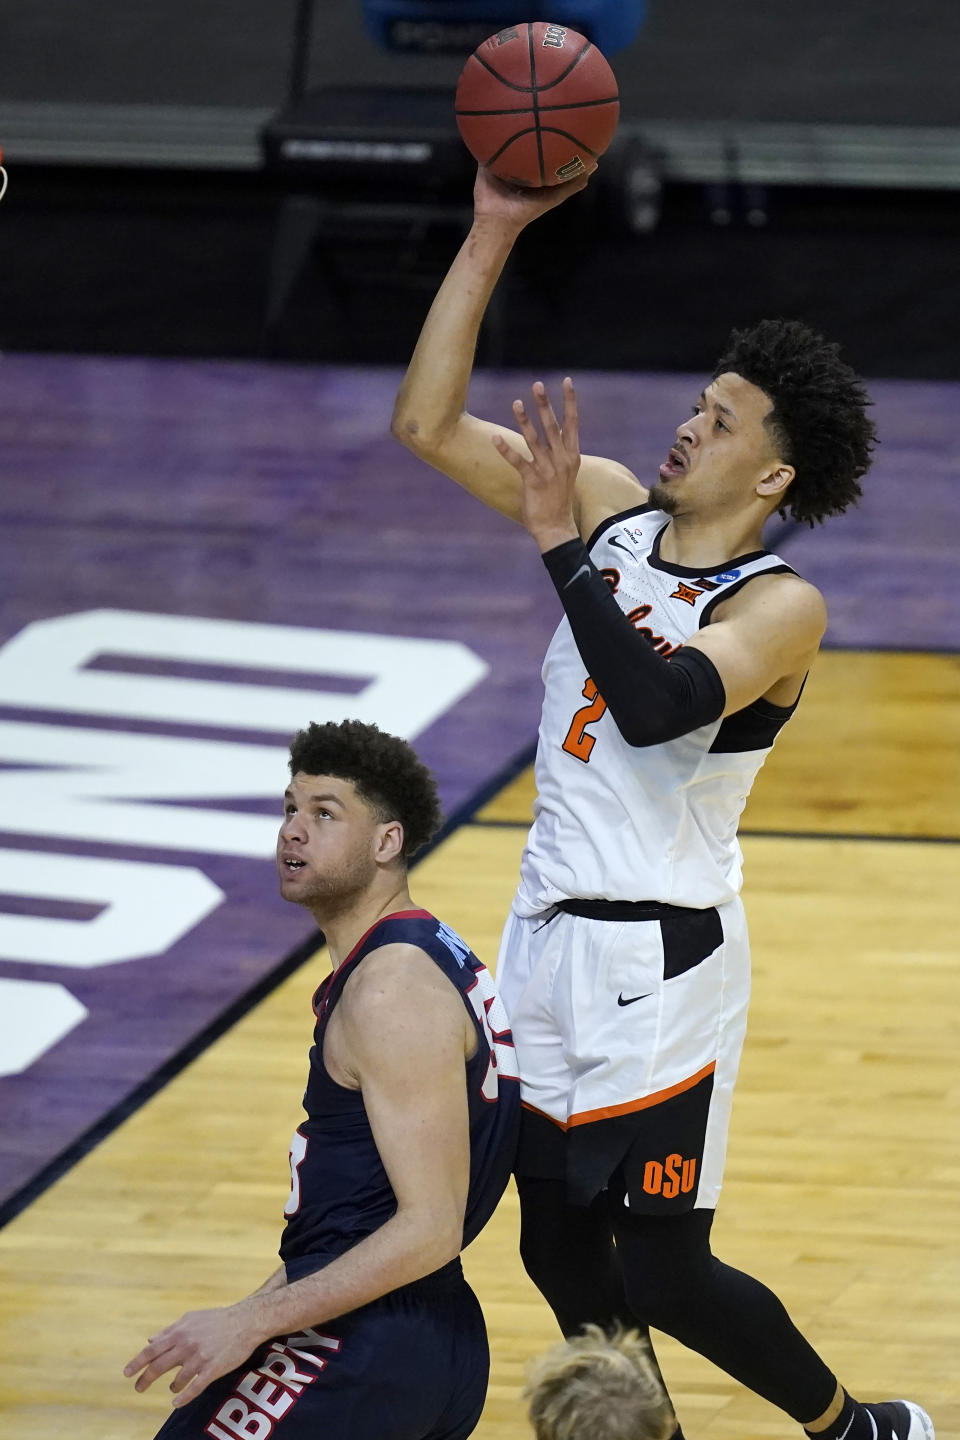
[656, 1300]
[667, 1283]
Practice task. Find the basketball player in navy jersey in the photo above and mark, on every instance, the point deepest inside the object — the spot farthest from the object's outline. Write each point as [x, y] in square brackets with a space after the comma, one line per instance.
[624, 965]
[368, 1328]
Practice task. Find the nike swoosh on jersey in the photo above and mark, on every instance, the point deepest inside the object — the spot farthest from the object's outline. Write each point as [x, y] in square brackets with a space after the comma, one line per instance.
[625, 548]
[633, 998]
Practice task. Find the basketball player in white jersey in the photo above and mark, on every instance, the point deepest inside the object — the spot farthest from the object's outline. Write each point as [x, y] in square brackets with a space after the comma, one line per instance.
[625, 964]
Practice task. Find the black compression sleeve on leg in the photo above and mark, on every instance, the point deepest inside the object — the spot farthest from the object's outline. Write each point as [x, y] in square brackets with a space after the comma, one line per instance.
[675, 1283]
[651, 698]
[568, 1252]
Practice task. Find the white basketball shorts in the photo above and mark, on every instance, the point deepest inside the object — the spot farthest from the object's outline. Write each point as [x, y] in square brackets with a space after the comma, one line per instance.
[628, 1021]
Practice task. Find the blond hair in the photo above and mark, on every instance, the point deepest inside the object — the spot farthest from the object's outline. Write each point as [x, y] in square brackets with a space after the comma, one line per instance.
[599, 1387]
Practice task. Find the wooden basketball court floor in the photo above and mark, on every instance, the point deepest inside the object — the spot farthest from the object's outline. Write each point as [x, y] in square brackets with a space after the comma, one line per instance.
[844, 1157]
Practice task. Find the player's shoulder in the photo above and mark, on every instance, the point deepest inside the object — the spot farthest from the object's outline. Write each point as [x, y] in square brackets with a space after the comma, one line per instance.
[780, 596]
[394, 978]
[398, 999]
[604, 488]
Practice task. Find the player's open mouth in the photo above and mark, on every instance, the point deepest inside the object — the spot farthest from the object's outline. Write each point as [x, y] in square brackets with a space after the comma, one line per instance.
[675, 464]
[290, 865]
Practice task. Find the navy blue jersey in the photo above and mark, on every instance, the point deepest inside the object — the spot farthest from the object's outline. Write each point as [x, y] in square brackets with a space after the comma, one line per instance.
[340, 1191]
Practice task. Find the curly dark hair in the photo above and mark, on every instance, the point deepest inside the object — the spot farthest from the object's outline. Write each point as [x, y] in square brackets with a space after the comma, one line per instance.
[818, 421]
[383, 768]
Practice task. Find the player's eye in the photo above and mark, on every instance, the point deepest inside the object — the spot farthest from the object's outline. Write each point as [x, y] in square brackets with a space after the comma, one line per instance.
[722, 426]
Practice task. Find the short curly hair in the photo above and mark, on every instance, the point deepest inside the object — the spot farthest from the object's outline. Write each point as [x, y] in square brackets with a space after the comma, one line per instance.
[819, 418]
[384, 770]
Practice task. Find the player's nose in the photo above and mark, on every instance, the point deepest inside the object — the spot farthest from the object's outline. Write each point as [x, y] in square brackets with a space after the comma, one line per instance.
[291, 829]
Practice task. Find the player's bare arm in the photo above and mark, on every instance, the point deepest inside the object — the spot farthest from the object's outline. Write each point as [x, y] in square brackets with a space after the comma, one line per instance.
[274, 1281]
[430, 416]
[402, 1037]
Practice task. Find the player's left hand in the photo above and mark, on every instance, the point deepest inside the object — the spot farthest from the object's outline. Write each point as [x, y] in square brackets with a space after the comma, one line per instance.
[549, 477]
[204, 1344]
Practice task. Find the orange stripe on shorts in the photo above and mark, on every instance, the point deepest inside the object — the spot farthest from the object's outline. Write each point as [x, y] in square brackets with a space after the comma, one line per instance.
[560, 1124]
[609, 1112]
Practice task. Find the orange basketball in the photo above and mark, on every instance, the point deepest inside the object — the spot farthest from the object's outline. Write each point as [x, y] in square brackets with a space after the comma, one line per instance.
[536, 102]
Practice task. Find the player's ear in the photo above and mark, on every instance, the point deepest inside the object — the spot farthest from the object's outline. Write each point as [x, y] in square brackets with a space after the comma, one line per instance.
[776, 482]
[388, 842]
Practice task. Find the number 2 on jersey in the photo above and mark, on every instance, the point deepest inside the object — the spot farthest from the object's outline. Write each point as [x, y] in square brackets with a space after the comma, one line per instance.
[578, 743]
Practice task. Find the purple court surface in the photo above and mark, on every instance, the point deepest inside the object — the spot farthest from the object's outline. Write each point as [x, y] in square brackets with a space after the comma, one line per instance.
[200, 557]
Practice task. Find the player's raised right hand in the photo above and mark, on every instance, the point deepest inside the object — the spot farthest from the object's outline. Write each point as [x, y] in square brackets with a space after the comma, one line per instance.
[517, 205]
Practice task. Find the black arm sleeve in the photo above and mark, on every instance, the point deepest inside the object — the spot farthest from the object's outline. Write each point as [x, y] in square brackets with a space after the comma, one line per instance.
[651, 698]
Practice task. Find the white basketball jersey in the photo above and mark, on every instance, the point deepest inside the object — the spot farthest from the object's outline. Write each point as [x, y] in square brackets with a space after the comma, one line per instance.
[615, 822]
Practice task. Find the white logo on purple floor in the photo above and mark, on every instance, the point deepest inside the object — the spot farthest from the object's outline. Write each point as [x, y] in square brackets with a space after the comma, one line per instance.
[65, 780]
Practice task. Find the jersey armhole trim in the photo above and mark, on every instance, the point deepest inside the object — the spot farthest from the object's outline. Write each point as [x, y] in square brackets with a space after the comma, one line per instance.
[729, 590]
